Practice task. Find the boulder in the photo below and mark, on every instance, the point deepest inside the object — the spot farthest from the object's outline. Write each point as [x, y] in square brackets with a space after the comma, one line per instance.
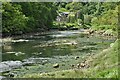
[9, 65]
[4, 67]
[72, 65]
[56, 65]
[11, 74]
[13, 64]
[78, 65]
[1, 77]
[82, 64]
[108, 33]
[76, 57]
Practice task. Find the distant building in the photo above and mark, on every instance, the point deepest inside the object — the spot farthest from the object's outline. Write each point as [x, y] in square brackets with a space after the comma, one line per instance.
[62, 17]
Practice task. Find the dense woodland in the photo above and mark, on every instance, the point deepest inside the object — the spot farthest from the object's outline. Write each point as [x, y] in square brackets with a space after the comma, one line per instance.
[27, 17]
[19, 18]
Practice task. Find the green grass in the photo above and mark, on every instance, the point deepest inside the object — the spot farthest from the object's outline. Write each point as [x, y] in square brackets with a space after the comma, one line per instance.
[102, 65]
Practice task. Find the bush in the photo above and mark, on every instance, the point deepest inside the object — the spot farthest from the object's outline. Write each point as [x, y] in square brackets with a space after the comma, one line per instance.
[63, 10]
[87, 19]
[102, 27]
[71, 18]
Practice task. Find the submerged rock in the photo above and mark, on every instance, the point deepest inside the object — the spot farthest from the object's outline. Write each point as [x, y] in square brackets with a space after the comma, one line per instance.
[11, 52]
[76, 57]
[11, 74]
[27, 63]
[19, 53]
[20, 40]
[78, 65]
[31, 61]
[56, 65]
[82, 64]
[72, 65]
[70, 43]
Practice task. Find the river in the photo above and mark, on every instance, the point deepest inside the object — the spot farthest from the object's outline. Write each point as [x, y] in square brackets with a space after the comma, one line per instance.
[40, 52]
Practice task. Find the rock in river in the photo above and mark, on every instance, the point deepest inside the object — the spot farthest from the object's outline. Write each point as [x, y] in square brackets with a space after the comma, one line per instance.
[56, 65]
[9, 65]
[76, 57]
[1, 77]
[4, 67]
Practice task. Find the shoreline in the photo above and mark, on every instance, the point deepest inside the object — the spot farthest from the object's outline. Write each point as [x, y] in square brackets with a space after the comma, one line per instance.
[90, 32]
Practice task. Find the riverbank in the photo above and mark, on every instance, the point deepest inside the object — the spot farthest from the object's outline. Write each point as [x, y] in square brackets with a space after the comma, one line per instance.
[108, 33]
[101, 65]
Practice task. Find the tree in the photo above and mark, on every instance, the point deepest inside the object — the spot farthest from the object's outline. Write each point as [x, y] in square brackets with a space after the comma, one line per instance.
[13, 19]
[27, 17]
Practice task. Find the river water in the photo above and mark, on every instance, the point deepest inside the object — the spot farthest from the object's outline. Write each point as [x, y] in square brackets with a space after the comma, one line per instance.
[41, 51]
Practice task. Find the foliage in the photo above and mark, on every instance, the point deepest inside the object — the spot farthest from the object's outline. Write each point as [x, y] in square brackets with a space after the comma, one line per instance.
[65, 25]
[92, 13]
[13, 19]
[87, 19]
[107, 21]
[30, 16]
[27, 17]
[63, 10]
[71, 18]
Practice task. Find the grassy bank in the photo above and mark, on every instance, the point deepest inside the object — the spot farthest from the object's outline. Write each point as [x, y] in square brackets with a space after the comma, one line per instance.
[101, 65]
